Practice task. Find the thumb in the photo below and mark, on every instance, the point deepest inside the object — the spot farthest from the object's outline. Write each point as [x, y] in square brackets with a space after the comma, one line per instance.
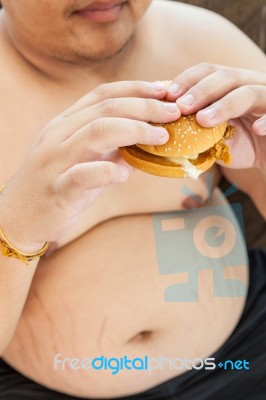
[259, 126]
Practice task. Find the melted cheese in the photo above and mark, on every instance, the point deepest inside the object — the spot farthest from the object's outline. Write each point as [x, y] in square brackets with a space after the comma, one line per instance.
[186, 165]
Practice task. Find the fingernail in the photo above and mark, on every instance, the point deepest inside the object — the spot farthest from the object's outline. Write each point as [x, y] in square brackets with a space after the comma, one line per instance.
[209, 113]
[124, 173]
[160, 134]
[187, 100]
[158, 86]
[174, 88]
[170, 107]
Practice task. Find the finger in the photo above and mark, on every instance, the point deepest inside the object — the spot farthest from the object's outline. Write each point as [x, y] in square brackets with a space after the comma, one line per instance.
[187, 79]
[259, 126]
[205, 83]
[106, 91]
[105, 134]
[241, 101]
[215, 86]
[115, 157]
[132, 108]
[210, 89]
[87, 176]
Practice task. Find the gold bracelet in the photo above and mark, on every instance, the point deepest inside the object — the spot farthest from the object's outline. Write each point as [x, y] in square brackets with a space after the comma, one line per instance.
[9, 250]
[2, 188]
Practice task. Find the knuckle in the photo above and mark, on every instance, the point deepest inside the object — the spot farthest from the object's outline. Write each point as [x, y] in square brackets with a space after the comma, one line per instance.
[109, 107]
[203, 65]
[191, 74]
[251, 91]
[141, 86]
[142, 132]
[150, 105]
[201, 91]
[107, 171]
[45, 151]
[43, 157]
[208, 67]
[97, 131]
[51, 132]
[102, 90]
[227, 104]
[229, 74]
[75, 177]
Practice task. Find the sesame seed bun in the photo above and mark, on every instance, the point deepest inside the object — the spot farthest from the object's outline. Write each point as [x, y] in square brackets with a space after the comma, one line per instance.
[186, 138]
[190, 150]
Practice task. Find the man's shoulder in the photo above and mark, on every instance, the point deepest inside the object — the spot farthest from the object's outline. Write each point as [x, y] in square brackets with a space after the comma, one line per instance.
[201, 34]
[187, 19]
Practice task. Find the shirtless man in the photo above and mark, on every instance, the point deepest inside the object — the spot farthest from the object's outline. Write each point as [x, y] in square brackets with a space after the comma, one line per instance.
[102, 294]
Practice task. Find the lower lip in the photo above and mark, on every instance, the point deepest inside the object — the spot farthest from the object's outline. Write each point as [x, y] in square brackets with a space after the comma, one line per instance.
[105, 15]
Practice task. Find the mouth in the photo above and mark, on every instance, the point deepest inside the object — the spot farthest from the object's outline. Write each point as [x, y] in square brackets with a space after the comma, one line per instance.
[102, 11]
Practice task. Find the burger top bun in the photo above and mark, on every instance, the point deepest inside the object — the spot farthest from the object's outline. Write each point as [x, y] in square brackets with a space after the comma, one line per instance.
[186, 138]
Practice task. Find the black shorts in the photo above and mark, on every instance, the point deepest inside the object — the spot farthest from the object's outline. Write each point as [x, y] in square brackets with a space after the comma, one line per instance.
[248, 341]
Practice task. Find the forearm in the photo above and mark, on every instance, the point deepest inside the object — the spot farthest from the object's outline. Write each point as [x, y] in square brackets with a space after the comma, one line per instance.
[15, 281]
[15, 275]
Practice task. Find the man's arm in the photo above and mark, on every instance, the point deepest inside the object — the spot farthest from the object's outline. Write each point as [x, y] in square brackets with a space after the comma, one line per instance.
[15, 281]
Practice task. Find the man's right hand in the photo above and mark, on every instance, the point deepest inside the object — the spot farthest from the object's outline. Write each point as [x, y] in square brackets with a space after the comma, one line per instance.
[72, 160]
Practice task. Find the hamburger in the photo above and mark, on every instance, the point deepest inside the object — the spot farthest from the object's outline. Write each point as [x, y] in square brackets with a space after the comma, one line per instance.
[190, 150]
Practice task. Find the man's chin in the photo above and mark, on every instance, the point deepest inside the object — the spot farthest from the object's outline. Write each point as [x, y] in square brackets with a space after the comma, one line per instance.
[103, 41]
[84, 57]
[104, 54]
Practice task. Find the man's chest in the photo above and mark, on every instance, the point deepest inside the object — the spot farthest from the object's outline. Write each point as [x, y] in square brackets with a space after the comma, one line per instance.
[25, 114]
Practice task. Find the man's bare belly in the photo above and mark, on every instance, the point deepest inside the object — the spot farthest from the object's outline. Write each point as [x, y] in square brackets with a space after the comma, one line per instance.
[103, 295]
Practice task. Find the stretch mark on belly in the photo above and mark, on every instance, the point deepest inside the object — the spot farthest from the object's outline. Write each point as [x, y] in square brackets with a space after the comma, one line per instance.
[101, 333]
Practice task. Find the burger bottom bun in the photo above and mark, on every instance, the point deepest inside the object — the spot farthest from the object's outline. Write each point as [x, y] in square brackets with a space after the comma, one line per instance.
[160, 166]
